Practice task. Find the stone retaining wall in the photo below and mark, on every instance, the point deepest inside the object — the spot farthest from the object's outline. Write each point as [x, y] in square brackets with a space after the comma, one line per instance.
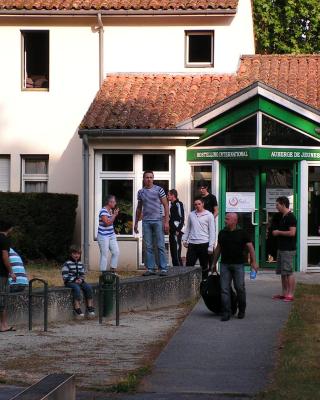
[136, 294]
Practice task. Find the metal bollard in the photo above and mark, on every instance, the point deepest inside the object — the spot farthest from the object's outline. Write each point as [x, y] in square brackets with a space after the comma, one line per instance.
[102, 290]
[44, 294]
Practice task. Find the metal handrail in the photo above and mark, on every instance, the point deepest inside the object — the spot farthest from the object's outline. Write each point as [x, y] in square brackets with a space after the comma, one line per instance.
[43, 294]
[115, 288]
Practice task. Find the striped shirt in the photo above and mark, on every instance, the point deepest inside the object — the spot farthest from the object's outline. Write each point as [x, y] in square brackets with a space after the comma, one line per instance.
[151, 202]
[18, 269]
[105, 230]
[72, 270]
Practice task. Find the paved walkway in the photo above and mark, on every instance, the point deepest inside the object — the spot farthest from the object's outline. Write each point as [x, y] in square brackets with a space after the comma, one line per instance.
[209, 360]
[212, 357]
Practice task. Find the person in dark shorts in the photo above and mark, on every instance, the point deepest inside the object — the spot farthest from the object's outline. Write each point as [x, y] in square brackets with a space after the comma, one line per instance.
[210, 204]
[286, 239]
[176, 222]
[5, 273]
[232, 245]
[199, 236]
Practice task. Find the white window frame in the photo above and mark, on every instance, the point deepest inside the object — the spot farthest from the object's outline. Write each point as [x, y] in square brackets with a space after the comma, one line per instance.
[7, 172]
[208, 64]
[33, 177]
[305, 239]
[24, 62]
[137, 176]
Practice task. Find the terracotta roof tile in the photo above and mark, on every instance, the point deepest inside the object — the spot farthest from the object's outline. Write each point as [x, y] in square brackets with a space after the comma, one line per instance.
[117, 4]
[161, 101]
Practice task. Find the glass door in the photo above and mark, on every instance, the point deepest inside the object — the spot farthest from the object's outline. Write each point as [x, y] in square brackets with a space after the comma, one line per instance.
[241, 195]
[275, 181]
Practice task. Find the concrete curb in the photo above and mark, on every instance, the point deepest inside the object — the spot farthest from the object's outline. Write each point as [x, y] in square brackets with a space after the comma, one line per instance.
[136, 294]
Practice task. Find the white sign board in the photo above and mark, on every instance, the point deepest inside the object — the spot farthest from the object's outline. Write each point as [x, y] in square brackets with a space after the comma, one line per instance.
[273, 194]
[240, 201]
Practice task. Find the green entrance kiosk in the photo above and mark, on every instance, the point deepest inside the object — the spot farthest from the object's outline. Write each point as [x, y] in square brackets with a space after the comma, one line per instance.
[261, 144]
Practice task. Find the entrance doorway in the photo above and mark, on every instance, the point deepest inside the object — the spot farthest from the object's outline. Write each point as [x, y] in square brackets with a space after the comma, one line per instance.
[251, 191]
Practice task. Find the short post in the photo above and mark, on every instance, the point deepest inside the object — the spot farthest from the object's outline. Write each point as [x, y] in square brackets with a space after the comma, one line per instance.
[115, 289]
[117, 301]
[44, 294]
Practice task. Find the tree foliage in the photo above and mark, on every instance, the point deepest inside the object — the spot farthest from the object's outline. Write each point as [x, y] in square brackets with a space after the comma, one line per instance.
[287, 26]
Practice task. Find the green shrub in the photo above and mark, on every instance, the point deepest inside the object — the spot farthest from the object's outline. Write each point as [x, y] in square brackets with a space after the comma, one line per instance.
[44, 223]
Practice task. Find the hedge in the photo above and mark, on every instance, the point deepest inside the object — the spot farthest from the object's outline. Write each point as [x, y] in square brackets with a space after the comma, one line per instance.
[44, 223]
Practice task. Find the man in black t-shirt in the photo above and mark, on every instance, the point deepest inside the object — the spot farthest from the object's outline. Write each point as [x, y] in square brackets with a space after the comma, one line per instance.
[209, 199]
[286, 240]
[232, 245]
[5, 272]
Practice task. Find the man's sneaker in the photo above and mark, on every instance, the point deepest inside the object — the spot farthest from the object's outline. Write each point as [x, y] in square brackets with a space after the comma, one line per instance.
[225, 317]
[90, 311]
[148, 273]
[78, 313]
[163, 273]
[241, 314]
[288, 299]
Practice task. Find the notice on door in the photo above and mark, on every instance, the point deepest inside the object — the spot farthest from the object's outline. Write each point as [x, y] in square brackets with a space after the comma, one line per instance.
[273, 194]
[240, 201]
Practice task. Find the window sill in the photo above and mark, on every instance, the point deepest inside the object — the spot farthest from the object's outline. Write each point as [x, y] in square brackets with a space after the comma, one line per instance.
[199, 65]
[35, 89]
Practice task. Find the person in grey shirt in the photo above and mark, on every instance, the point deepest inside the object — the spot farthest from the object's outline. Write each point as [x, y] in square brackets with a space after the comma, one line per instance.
[199, 236]
[154, 224]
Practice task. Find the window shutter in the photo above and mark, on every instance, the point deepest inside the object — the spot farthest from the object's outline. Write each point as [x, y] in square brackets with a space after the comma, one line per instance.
[4, 174]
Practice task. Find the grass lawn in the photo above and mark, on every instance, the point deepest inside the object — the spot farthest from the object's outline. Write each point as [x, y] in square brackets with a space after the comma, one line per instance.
[297, 376]
[51, 272]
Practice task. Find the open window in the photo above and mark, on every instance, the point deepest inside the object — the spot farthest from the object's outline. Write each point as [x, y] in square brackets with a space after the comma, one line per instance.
[199, 49]
[35, 60]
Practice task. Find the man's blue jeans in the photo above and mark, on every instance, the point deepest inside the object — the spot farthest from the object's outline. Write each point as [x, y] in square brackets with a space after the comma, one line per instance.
[153, 233]
[235, 272]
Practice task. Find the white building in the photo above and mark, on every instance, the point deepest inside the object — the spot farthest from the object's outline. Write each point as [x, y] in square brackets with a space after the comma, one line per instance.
[165, 67]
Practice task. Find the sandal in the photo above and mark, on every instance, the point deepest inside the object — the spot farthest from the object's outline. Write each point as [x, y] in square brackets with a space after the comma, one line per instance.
[278, 297]
[11, 329]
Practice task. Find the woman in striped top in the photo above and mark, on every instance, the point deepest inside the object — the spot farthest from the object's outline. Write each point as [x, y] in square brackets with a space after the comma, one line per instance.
[107, 239]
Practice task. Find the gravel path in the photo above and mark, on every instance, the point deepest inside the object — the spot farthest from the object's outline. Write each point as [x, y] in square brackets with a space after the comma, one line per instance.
[99, 355]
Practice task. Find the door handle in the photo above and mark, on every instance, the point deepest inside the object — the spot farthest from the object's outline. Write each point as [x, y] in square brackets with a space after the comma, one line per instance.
[252, 217]
[266, 220]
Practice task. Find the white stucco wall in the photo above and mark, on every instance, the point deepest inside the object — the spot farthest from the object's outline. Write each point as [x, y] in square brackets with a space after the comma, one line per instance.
[158, 44]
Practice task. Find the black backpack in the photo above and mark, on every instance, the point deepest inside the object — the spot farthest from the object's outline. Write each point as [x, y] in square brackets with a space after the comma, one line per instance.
[210, 291]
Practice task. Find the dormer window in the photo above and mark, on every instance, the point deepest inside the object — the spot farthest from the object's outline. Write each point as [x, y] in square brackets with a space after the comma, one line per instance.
[199, 48]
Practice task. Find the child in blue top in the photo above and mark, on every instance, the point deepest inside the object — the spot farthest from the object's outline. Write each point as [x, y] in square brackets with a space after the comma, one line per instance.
[18, 269]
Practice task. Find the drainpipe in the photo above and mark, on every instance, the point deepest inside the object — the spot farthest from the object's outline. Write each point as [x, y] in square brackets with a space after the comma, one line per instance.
[101, 52]
[85, 153]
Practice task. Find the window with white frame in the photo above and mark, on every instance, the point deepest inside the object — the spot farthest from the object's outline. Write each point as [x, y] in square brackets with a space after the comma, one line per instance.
[199, 48]
[35, 173]
[35, 59]
[4, 173]
[121, 173]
